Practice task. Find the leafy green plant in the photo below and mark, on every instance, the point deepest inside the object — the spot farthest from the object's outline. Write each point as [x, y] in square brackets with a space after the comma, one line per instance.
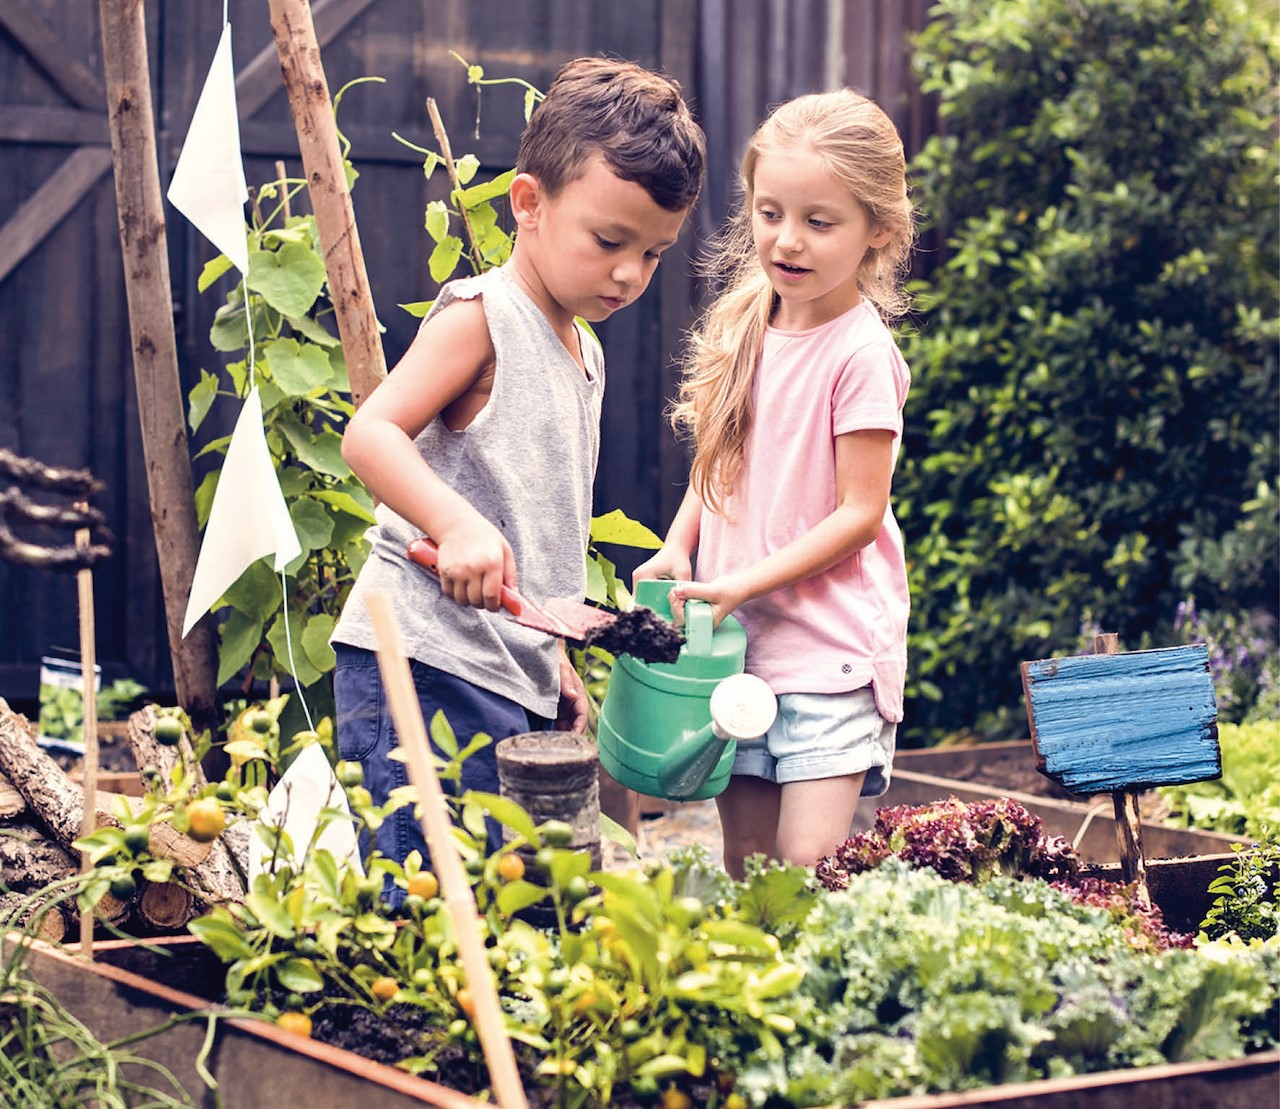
[299, 369]
[1245, 801]
[62, 710]
[1092, 425]
[1248, 889]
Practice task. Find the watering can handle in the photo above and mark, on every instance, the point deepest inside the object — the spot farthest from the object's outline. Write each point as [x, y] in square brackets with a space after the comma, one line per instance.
[698, 626]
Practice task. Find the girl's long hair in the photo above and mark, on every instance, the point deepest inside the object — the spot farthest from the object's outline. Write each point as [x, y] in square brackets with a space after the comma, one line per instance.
[860, 147]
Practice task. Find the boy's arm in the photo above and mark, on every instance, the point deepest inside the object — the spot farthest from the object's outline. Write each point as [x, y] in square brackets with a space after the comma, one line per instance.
[864, 476]
[675, 559]
[447, 369]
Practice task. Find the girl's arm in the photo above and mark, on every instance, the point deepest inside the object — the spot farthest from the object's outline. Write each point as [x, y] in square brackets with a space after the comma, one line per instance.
[864, 475]
[447, 369]
[675, 559]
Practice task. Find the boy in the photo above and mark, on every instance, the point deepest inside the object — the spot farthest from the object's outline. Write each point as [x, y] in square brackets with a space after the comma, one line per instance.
[485, 436]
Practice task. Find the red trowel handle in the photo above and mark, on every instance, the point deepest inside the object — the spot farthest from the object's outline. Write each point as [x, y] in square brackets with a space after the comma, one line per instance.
[427, 555]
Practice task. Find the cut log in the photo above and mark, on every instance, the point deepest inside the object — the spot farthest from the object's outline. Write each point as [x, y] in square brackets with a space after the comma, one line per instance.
[149, 754]
[165, 906]
[59, 802]
[112, 909]
[44, 922]
[29, 860]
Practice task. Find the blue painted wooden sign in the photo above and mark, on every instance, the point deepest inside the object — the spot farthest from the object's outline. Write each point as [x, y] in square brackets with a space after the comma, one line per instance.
[1129, 721]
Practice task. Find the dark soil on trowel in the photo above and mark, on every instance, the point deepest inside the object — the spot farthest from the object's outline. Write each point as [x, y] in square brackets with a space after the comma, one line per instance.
[640, 633]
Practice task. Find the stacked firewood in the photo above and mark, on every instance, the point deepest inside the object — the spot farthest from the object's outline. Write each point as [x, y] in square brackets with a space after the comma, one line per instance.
[41, 814]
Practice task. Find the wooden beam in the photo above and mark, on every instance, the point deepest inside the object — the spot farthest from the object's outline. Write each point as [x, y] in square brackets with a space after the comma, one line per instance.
[44, 47]
[312, 109]
[143, 242]
[53, 126]
[44, 209]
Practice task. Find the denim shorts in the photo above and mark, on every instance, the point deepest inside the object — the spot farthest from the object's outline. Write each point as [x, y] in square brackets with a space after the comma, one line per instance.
[823, 735]
[367, 735]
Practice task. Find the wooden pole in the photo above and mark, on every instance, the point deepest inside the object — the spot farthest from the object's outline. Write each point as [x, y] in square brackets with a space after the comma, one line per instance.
[140, 215]
[88, 672]
[1133, 865]
[406, 713]
[312, 109]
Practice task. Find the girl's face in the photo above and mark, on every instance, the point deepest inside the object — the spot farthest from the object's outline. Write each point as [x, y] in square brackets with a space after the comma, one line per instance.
[810, 236]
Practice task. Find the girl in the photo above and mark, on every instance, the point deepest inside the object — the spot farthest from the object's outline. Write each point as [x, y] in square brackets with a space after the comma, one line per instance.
[793, 391]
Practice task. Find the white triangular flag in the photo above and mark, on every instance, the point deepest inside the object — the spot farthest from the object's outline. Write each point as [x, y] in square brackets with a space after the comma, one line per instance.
[294, 805]
[208, 185]
[249, 518]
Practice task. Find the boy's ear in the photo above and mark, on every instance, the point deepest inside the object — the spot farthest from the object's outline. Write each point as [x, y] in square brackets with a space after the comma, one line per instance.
[526, 196]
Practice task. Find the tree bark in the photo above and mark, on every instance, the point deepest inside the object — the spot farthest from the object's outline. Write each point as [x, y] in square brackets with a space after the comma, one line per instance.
[49, 923]
[29, 860]
[11, 802]
[308, 92]
[140, 215]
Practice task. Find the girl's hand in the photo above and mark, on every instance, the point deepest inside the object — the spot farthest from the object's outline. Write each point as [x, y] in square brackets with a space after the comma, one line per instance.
[575, 708]
[668, 563]
[475, 561]
[722, 594]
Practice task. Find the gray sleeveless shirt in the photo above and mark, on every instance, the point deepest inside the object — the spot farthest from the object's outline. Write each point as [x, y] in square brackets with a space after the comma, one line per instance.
[527, 463]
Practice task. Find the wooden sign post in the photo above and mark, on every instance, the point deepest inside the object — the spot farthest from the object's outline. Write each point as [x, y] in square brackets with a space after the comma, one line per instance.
[1121, 723]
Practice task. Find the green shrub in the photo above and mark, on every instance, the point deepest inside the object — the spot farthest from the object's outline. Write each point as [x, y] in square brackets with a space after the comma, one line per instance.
[1245, 801]
[1092, 432]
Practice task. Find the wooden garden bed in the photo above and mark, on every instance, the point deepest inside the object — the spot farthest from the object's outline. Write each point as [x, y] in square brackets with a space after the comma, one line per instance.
[986, 771]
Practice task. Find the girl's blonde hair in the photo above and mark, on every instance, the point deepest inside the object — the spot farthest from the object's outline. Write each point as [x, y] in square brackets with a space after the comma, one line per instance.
[860, 147]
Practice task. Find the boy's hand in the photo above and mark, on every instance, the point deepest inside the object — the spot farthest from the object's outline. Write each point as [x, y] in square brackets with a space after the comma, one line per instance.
[574, 711]
[668, 563]
[475, 561]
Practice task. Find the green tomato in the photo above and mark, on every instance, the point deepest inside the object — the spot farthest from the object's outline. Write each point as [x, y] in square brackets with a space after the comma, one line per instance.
[137, 839]
[261, 722]
[576, 889]
[544, 858]
[168, 730]
[349, 774]
[685, 912]
[226, 791]
[124, 887]
[556, 833]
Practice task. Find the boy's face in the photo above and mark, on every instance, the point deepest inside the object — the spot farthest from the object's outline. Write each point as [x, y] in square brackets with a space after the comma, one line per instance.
[593, 248]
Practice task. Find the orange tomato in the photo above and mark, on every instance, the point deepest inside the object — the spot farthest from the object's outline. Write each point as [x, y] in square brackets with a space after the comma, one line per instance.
[510, 867]
[384, 988]
[297, 1023]
[424, 884]
[206, 820]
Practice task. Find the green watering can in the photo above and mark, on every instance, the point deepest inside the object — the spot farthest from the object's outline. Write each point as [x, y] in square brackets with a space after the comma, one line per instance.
[669, 730]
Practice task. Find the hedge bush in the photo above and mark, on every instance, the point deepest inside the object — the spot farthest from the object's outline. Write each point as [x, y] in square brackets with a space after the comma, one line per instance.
[1092, 432]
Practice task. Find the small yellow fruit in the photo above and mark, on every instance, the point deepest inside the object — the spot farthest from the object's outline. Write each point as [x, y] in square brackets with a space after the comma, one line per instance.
[675, 1098]
[297, 1023]
[205, 820]
[510, 867]
[424, 884]
[384, 988]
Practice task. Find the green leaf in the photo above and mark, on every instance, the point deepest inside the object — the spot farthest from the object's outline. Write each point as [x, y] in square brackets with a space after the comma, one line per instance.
[313, 524]
[618, 527]
[466, 167]
[313, 330]
[256, 593]
[201, 399]
[204, 496]
[518, 895]
[437, 220]
[614, 832]
[219, 933]
[489, 190]
[213, 269]
[315, 641]
[240, 636]
[299, 975]
[288, 279]
[301, 667]
[507, 812]
[297, 368]
[444, 258]
[347, 502]
[320, 451]
[270, 913]
[417, 308]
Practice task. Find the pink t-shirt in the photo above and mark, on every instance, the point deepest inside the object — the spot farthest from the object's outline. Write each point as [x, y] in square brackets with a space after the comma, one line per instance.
[846, 627]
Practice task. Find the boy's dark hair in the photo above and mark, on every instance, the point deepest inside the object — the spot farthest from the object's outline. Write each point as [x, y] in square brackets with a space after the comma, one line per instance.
[635, 118]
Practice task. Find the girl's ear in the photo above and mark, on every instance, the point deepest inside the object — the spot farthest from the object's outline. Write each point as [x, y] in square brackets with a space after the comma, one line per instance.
[880, 238]
[525, 195]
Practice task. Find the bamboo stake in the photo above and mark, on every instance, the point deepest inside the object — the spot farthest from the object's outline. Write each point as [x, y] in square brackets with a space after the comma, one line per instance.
[88, 668]
[140, 218]
[312, 109]
[410, 727]
[446, 152]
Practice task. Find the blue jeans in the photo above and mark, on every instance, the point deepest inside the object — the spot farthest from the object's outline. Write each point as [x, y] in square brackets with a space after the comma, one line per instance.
[367, 735]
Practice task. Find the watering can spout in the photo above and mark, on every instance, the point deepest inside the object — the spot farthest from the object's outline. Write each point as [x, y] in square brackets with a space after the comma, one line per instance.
[742, 707]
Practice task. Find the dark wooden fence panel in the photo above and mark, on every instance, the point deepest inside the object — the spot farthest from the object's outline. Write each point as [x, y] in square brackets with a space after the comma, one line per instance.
[66, 381]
